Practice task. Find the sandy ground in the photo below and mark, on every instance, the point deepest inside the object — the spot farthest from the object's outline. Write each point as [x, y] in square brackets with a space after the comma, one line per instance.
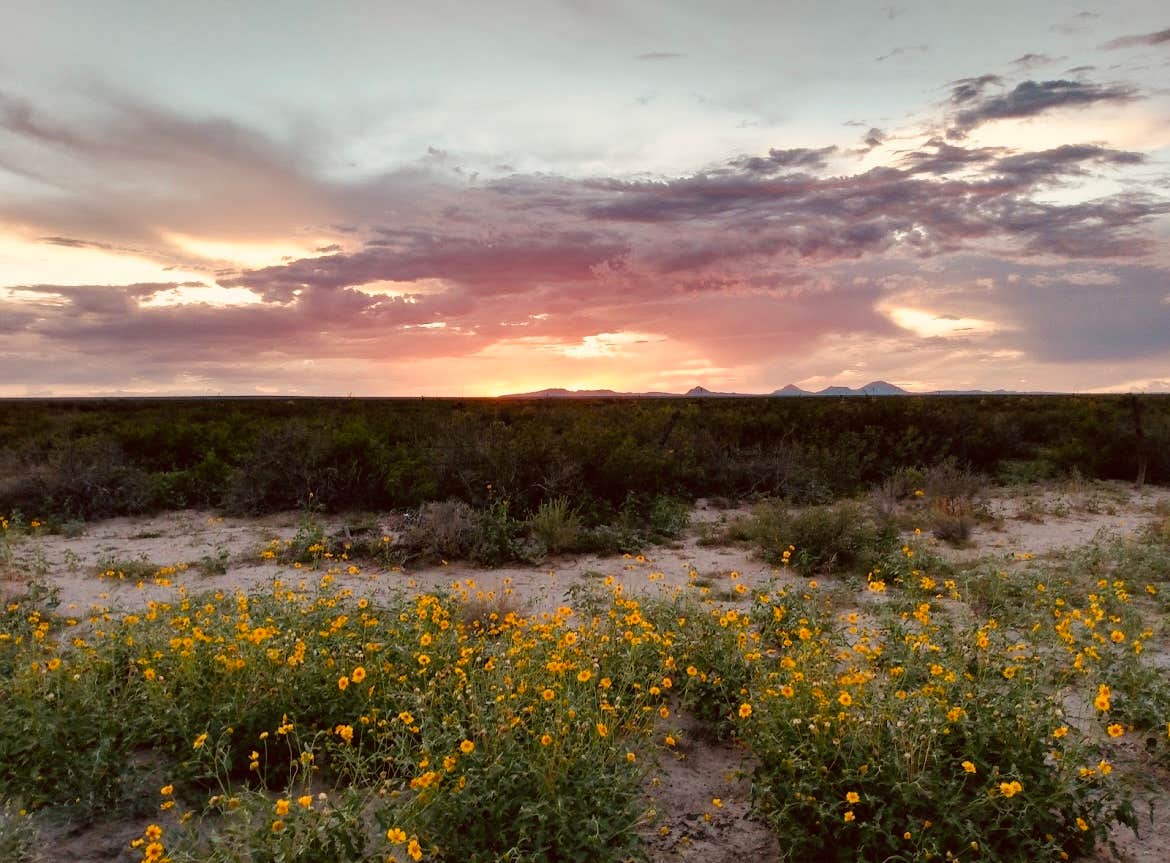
[1031, 522]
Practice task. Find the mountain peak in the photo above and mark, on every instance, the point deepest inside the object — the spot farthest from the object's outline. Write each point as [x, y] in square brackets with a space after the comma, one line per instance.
[883, 388]
[790, 390]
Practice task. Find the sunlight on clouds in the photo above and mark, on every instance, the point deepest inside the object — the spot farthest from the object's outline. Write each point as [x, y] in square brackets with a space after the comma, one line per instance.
[1140, 126]
[395, 289]
[45, 298]
[25, 261]
[606, 344]
[208, 295]
[926, 325]
[244, 255]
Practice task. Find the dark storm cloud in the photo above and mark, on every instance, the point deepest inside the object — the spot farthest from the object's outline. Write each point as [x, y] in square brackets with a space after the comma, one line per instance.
[1161, 37]
[1026, 99]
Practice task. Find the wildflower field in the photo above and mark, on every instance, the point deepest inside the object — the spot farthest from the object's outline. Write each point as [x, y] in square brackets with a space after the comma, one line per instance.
[909, 707]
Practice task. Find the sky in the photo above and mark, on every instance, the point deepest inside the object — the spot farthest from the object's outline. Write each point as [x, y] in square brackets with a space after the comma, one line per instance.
[472, 199]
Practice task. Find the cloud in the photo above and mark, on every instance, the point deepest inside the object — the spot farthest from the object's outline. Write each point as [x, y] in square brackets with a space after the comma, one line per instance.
[1030, 60]
[751, 261]
[654, 56]
[1161, 37]
[1026, 99]
[782, 160]
[70, 242]
[1077, 23]
[874, 138]
[503, 264]
[143, 166]
[969, 89]
[902, 50]
[1065, 161]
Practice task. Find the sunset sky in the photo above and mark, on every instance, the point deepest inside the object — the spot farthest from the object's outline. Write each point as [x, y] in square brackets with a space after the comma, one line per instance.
[466, 198]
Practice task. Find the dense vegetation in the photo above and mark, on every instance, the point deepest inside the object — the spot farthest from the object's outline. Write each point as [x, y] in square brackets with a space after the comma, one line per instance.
[87, 459]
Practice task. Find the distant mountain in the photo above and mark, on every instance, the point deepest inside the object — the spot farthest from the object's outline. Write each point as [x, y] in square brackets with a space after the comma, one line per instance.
[873, 388]
[703, 392]
[883, 388]
[561, 393]
[791, 390]
[982, 393]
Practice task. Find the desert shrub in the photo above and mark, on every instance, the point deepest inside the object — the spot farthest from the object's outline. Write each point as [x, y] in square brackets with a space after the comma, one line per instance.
[887, 498]
[952, 495]
[668, 517]
[556, 525]
[86, 479]
[951, 520]
[445, 530]
[826, 538]
[948, 481]
[500, 538]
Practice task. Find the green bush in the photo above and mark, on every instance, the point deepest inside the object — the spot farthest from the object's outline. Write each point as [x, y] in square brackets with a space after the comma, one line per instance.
[556, 525]
[825, 538]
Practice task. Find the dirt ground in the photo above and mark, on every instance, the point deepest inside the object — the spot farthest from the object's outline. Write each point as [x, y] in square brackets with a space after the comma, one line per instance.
[1032, 522]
